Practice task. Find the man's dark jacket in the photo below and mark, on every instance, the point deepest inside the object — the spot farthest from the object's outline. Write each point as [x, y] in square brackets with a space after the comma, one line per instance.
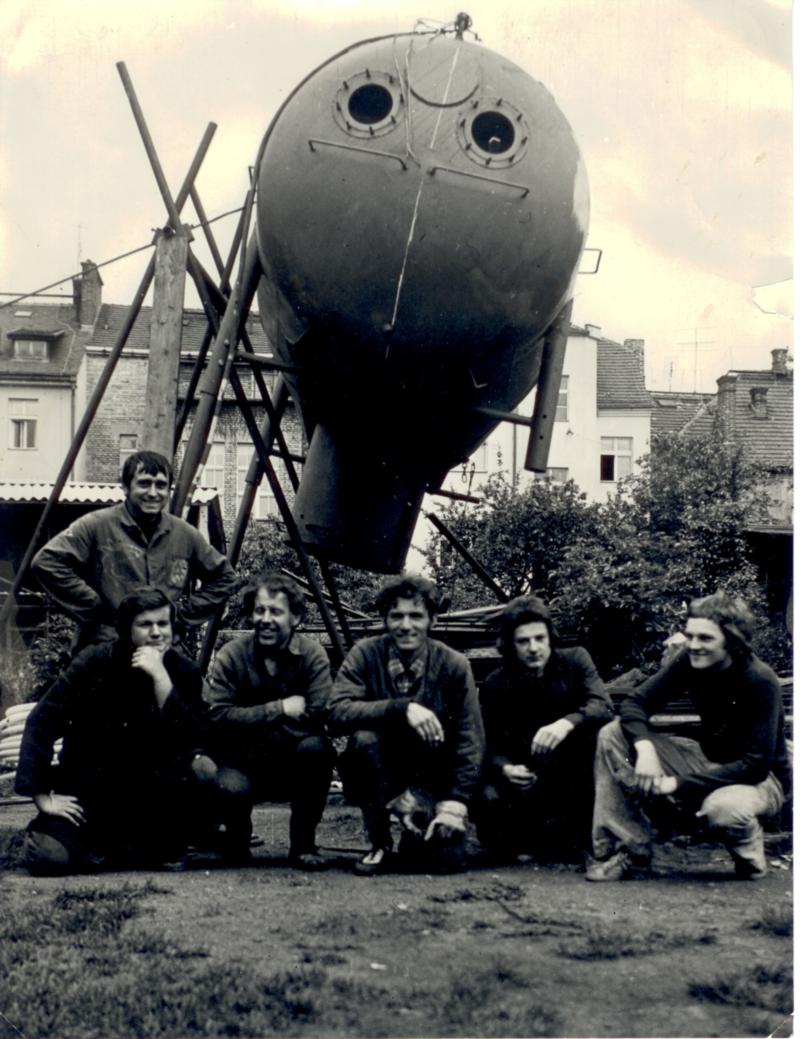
[117, 743]
[515, 704]
[364, 697]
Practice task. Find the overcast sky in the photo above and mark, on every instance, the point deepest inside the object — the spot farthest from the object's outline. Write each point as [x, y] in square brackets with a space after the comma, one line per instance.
[682, 109]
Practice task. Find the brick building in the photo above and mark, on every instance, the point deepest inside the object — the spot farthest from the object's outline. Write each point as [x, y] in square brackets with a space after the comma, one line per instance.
[117, 426]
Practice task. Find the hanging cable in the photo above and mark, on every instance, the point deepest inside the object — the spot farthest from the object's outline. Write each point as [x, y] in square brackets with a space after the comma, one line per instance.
[115, 259]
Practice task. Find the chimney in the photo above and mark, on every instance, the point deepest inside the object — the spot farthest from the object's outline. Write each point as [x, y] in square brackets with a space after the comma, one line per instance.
[758, 401]
[636, 346]
[87, 294]
[779, 357]
[726, 404]
[593, 330]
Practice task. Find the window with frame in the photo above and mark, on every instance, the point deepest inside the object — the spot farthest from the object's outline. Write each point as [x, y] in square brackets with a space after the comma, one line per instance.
[557, 473]
[616, 458]
[214, 469]
[23, 412]
[128, 444]
[561, 407]
[30, 349]
[265, 506]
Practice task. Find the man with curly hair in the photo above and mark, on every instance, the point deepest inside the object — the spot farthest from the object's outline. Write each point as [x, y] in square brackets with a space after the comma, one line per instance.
[736, 772]
[267, 693]
[409, 706]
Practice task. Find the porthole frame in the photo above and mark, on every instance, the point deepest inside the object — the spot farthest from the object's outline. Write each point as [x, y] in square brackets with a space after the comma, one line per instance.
[363, 130]
[470, 146]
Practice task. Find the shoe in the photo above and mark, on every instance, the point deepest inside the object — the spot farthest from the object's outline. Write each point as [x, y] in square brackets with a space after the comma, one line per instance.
[308, 861]
[375, 861]
[617, 867]
[748, 870]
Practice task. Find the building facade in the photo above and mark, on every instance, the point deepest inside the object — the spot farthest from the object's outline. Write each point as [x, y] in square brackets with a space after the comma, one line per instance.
[602, 423]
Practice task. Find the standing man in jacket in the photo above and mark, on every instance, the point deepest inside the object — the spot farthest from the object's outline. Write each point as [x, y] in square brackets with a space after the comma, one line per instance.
[542, 709]
[135, 782]
[92, 565]
[409, 705]
[735, 772]
[268, 692]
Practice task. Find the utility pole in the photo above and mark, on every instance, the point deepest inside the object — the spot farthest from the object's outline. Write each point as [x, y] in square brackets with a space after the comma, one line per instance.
[166, 334]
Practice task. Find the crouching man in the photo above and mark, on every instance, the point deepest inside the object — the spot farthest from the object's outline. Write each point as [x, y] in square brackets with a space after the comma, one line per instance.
[134, 783]
[410, 708]
[268, 692]
[738, 770]
[542, 709]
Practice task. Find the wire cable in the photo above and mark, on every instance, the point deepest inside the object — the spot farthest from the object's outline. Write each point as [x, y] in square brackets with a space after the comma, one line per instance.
[115, 259]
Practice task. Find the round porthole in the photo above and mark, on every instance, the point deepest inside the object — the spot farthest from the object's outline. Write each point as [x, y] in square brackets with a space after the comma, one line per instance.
[493, 133]
[368, 104]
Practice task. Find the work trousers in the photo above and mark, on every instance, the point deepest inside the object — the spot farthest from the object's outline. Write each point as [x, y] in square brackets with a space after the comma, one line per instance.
[378, 766]
[620, 818]
[280, 768]
[552, 819]
[139, 824]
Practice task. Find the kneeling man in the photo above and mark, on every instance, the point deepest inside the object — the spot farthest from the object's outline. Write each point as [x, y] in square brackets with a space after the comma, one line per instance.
[268, 692]
[409, 705]
[542, 709]
[735, 773]
[134, 783]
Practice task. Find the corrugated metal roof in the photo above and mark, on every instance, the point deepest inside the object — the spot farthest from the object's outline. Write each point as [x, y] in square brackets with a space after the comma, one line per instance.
[75, 493]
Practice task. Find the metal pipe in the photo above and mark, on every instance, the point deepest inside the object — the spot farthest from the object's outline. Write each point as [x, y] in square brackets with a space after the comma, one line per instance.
[286, 514]
[465, 554]
[554, 351]
[211, 381]
[211, 241]
[503, 416]
[208, 337]
[252, 481]
[456, 496]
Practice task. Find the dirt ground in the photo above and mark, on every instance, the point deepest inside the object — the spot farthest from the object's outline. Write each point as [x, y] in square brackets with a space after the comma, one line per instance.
[515, 951]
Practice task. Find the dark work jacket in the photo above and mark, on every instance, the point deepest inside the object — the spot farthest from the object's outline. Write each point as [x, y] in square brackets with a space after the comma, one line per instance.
[364, 697]
[516, 704]
[741, 721]
[116, 740]
[244, 698]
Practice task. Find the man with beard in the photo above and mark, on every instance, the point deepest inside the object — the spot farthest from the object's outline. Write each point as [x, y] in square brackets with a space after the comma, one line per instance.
[541, 709]
[134, 783]
[736, 772]
[409, 706]
[268, 692]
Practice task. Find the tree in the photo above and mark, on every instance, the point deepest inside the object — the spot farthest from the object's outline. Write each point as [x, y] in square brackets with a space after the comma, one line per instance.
[519, 536]
[617, 576]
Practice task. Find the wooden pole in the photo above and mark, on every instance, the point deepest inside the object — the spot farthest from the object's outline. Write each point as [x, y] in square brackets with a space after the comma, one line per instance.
[166, 335]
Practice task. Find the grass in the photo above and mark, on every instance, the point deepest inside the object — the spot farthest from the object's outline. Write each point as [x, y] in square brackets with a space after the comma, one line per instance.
[82, 965]
[606, 943]
[776, 919]
[764, 985]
